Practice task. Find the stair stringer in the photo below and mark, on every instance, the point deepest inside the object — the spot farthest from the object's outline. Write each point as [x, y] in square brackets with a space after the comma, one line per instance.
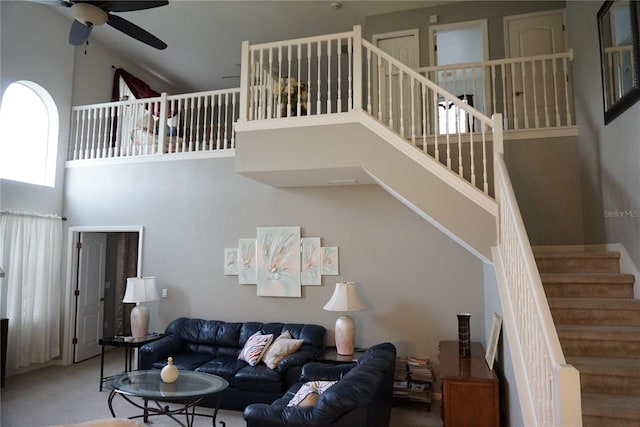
[355, 148]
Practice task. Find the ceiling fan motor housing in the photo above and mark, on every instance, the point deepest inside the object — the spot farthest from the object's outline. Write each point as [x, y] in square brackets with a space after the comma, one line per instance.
[89, 14]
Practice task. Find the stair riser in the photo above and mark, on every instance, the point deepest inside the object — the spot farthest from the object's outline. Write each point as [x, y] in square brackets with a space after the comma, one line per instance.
[576, 290]
[607, 384]
[600, 348]
[578, 265]
[591, 421]
[610, 317]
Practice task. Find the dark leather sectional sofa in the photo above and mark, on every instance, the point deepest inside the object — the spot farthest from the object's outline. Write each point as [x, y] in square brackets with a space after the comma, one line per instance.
[213, 346]
[361, 398]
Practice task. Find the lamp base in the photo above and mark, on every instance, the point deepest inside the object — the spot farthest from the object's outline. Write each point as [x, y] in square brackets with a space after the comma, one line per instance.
[345, 335]
[139, 321]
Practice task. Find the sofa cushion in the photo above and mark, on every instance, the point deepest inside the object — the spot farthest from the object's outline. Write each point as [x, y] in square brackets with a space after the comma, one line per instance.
[184, 361]
[259, 378]
[225, 367]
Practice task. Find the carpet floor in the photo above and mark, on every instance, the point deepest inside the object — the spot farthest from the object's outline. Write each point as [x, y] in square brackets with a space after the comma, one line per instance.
[69, 394]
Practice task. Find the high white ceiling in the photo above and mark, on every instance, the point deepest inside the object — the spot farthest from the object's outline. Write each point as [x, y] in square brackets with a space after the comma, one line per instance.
[204, 37]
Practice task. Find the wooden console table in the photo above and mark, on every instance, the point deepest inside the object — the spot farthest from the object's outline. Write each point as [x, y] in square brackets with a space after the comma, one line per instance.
[470, 391]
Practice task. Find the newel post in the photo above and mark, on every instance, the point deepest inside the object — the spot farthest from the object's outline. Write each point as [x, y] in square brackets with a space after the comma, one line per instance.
[245, 72]
[357, 68]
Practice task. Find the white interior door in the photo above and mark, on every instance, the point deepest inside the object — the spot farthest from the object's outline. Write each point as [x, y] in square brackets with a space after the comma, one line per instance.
[530, 35]
[90, 297]
[404, 47]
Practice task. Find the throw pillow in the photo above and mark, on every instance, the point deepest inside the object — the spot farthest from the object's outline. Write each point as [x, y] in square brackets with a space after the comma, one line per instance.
[311, 387]
[255, 347]
[281, 348]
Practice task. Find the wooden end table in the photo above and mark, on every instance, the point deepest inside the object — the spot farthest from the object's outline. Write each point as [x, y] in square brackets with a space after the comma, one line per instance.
[330, 355]
[129, 344]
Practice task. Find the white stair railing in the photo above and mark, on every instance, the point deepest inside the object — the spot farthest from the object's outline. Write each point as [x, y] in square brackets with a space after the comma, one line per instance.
[166, 124]
[530, 92]
[549, 387]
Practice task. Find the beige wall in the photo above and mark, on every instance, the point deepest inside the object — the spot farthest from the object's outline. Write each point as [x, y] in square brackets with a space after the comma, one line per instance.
[414, 278]
[610, 155]
[545, 174]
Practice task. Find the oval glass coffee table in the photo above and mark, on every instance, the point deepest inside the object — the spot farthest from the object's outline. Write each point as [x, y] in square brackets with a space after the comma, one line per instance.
[187, 391]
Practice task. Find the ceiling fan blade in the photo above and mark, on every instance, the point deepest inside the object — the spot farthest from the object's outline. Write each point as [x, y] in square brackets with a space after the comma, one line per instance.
[136, 32]
[79, 33]
[131, 5]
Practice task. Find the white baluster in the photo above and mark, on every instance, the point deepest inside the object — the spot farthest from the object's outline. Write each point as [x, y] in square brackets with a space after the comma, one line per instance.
[308, 81]
[339, 85]
[457, 111]
[233, 118]
[516, 124]
[567, 83]
[485, 178]
[472, 165]
[534, 79]
[300, 81]
[318, 98]
[380, 99]
[423, 92]
[280, 82]
[413, 111]
[525, 94]
[351, 72]
[556, 88]
[369, 77]
[543, 65]
[329, 110]
[401, 92]
[78, 136]
[289, 109]
[192, 129]
[390, 95]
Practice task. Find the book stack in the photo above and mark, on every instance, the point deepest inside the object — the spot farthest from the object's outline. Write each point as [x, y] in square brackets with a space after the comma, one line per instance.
[413, 379]
[401, 378]
[420, 379]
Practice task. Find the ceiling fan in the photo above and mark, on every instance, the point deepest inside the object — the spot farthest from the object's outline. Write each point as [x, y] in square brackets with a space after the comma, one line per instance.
[89, 14]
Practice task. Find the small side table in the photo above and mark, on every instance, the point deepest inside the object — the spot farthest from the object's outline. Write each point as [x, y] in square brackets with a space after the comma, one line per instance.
[330, 355]
[129, 344]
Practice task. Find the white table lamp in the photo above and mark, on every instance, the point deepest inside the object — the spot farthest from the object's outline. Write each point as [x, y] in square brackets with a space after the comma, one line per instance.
[139, 290]
[345, 298]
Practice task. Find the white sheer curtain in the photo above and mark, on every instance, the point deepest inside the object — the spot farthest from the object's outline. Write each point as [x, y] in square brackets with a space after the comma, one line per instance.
[30, 254]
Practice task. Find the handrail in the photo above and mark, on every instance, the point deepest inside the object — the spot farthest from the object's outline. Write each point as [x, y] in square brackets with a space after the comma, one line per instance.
[552, 386]
[560, 55]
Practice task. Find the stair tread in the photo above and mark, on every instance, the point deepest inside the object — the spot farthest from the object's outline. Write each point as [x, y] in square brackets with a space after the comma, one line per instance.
[587, 278]
[606, 366]
[594, 303]
[610, 405]
[601, 332]
[576, 254]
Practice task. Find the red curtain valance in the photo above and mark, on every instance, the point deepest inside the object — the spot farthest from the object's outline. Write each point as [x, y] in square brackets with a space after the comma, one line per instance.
[139, 88]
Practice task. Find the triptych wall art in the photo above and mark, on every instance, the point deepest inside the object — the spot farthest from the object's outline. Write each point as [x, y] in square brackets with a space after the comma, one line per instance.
[280, 262]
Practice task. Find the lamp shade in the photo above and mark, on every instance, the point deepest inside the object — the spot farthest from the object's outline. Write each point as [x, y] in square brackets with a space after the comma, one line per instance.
[141, 289]
[345, 298]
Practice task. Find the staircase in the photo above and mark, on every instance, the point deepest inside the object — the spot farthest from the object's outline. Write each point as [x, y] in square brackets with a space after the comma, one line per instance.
[598, 324]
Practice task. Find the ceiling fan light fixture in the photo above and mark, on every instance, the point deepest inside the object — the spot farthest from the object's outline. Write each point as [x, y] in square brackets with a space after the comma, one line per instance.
[89, 14]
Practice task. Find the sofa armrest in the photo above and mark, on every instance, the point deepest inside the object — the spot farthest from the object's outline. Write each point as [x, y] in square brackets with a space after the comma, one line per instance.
[299, 358]
[314, 371]
[261, 414]
[159, 350]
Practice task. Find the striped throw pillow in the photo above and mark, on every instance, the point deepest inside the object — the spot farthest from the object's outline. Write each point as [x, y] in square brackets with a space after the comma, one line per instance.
[255, 347]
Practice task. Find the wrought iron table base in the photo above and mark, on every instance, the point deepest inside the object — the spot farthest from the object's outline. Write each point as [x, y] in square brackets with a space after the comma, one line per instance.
[188, 409]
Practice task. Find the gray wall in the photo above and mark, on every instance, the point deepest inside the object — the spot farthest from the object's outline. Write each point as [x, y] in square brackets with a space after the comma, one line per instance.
[610, 155]
[494, 11]
[414, 278]
[24, 52]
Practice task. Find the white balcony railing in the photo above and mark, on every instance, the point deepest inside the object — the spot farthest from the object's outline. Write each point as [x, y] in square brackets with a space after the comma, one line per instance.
[530, 92]
[195, 122]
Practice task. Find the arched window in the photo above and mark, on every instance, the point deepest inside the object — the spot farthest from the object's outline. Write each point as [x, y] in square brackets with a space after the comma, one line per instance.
[28, 134]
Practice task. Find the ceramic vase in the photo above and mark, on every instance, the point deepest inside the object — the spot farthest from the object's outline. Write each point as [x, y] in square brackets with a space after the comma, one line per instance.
[169, 373]
[464, 335]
